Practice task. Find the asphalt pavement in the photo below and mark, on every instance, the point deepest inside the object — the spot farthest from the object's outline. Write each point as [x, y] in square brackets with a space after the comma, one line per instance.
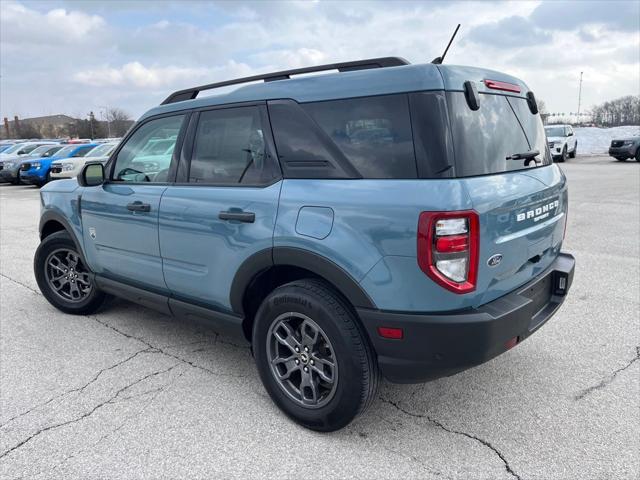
[130, 393]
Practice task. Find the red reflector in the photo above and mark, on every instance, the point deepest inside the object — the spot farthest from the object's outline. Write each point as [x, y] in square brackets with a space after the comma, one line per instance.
[507, 87]
[388, 332]
[452, 243]
[512, 342]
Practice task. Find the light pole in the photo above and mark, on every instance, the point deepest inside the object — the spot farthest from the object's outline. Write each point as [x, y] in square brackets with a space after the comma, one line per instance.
[105, 115]
[580, 95]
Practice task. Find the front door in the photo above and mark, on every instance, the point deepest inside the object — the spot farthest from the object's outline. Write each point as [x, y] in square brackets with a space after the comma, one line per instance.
[120, 217]
[224, 207]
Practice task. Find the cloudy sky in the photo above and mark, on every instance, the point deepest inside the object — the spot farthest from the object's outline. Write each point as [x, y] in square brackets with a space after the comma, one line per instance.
[75, 56]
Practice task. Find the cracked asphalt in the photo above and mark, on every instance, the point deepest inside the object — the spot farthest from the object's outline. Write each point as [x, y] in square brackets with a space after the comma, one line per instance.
[129, 393]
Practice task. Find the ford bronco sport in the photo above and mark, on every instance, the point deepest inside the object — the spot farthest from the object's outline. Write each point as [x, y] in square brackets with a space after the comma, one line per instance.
[386, 219]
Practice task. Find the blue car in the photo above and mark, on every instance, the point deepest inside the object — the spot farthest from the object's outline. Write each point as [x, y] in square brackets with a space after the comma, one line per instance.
[387, 219]
[37, 171]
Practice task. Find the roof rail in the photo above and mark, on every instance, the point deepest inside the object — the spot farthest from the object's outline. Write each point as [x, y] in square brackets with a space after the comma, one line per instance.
[191, 93]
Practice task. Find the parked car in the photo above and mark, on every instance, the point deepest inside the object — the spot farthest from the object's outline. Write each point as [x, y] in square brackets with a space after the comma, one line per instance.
[562, 141]
[4, 147]
[11, 158]
[71, 166]
[337, 255]
[625, 148]
[38, 171]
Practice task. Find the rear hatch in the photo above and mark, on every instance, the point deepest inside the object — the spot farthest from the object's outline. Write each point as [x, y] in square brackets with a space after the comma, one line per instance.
[521, 203]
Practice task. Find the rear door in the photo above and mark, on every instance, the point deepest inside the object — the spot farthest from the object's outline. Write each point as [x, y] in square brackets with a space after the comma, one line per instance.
[522, 203]
[223, 206]
[120, 217]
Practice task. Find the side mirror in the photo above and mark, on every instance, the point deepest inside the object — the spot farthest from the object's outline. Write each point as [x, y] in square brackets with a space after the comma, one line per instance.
[91, 175]
[570, 134]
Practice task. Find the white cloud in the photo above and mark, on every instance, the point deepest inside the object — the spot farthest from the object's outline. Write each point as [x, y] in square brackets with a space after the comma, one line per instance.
[136, 75]
[74, 55]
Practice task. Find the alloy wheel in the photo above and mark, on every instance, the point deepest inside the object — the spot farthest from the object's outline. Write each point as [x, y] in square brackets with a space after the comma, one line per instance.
[302, 360]
[67, 276]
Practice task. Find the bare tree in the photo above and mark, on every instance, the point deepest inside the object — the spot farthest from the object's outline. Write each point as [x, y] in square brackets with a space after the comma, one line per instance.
[542, 109]
[118, 121]
[621, 111]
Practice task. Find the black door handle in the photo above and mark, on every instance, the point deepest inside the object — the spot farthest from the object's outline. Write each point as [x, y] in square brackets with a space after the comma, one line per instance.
[247, 217]
[138, 206]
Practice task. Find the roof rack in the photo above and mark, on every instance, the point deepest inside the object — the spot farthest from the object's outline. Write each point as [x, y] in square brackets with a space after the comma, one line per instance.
[191, 93]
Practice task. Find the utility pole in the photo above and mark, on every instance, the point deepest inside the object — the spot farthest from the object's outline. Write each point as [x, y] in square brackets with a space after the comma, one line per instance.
[91, 120]
[580, 95]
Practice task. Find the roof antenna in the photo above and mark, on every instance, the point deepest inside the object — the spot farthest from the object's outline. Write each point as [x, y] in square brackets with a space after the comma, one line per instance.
[439, 60]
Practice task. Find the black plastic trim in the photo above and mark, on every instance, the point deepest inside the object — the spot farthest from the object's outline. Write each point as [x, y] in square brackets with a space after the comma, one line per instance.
[441, 344]
[222, 322]
[51, 215]
[191, 93]
[325, 268]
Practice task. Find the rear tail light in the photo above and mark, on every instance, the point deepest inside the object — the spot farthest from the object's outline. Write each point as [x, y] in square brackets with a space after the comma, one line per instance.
[448, 245]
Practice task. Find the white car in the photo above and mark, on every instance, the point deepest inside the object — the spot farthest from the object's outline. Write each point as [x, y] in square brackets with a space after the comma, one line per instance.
[20, 149]
[562, 141]
[70, 167]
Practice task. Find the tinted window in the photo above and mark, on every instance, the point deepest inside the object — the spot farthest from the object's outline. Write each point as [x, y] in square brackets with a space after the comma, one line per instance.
[138, 161]
[533, 128]
[229, 147]
[373, 133]
[304, 150]
[483, 139]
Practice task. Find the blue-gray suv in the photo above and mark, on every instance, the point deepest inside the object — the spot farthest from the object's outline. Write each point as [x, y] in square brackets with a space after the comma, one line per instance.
[387, 219]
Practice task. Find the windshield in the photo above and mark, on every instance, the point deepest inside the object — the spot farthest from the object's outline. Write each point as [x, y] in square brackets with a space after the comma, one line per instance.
[102, 150]
[39, 151]
[501, 136]
[66, 151]
[13, 148]
[51, 150]
[554, 131]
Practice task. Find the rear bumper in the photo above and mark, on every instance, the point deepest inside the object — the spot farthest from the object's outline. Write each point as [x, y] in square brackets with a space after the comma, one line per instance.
[442, 344]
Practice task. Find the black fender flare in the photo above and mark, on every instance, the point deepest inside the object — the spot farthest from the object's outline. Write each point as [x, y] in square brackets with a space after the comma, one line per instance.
[52, 215]
[296, 257]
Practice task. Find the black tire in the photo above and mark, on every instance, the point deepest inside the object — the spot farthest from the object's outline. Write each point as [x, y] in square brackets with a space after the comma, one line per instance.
[638, 155]
[89, 299]
[357, 375]
[574, 152]
[621, 159]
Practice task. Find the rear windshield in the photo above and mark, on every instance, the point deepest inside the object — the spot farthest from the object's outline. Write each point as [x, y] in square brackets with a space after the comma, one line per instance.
[485, 138]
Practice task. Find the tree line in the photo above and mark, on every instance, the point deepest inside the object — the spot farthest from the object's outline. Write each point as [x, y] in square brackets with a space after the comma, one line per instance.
[115, 124]
[621, 111]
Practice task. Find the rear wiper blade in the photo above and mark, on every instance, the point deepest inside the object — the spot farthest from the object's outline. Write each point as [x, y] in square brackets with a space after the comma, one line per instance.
[528, 156]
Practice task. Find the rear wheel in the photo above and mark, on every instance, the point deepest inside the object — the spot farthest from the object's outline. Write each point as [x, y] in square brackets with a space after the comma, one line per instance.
[313, 358]
[63, 278]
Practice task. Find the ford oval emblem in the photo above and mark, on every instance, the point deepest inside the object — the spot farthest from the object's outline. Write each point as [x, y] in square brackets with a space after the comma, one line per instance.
[494, 260]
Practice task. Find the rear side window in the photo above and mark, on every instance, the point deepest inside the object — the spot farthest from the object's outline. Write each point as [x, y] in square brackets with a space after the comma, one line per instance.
[484, 138]
[373, 133]
[230, 148]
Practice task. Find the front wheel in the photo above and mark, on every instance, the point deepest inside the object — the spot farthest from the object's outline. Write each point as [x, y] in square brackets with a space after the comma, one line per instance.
[63, 278]
[638, 155]
[564, 155]
[574, 152]
[313, 357]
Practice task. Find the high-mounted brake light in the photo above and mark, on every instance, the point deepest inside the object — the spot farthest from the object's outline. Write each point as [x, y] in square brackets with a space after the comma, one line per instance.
[448, 246]
[507, 87]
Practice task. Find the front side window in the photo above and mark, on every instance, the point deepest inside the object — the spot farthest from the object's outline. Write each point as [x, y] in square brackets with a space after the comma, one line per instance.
[373, 133]
[139, 160]
[229, 147]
